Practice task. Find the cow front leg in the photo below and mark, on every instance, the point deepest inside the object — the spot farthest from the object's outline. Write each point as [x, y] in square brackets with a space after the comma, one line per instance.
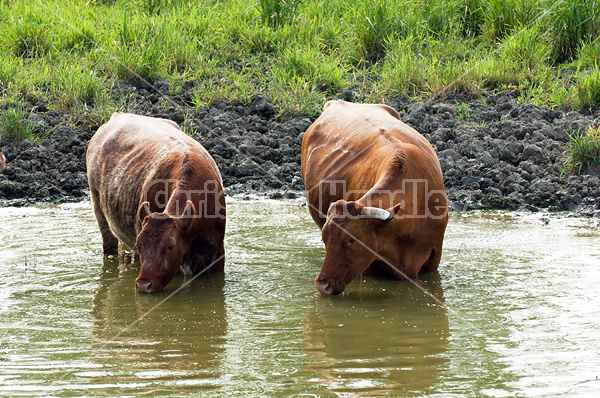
[434, 261]
[219, 259]
[411, 263]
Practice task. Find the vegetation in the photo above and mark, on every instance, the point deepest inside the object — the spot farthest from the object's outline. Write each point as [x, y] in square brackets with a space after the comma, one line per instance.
[70, 53]
[463, 111]
[583, 152]
[14, 125]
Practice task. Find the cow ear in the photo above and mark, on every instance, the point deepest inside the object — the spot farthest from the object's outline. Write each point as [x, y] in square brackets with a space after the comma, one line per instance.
[189, 213]
[144, 211]
[394, 210]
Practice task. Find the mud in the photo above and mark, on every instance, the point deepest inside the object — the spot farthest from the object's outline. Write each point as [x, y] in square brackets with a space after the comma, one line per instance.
[495, 152]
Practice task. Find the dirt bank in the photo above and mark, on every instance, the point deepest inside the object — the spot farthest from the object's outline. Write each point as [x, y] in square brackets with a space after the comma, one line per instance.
[495, 153]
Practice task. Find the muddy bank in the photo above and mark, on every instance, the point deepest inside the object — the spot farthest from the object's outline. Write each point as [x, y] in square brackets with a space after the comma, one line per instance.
[494, 152]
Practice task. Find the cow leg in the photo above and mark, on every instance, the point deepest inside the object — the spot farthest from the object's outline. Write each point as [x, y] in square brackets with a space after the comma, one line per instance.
[379, 269]
[410, 263]
[434, 261]
[110, 244]
[220, 259]
[201, 259]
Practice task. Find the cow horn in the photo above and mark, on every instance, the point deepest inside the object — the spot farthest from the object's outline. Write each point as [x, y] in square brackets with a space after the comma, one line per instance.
[375, 212]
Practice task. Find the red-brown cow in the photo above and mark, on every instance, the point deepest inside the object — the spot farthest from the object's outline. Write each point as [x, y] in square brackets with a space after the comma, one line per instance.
[375, 188]
[159, 191]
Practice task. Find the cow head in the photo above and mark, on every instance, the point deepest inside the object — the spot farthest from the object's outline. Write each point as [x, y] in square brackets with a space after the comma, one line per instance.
[350, 237]
[160, 244]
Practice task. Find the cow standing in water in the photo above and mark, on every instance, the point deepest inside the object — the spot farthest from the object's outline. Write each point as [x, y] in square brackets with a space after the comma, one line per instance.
[375, 189]
[159, 191]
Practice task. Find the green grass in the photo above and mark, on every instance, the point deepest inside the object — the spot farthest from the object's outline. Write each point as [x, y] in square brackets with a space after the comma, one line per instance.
[14, 125]
[588, 89]
[274, 13]
[376, 24]
[463, 111]
[583, 152]
[299, 53]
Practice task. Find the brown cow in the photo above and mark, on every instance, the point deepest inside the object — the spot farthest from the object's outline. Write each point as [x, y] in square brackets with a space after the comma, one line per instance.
[375, 188]
[159, 191]
[2, 161]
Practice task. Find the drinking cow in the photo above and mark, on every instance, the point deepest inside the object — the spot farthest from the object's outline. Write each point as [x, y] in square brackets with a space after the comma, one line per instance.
[375, 188]
[159, 191]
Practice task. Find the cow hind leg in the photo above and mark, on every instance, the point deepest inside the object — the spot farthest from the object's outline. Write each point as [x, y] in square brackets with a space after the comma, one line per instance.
[110, 244]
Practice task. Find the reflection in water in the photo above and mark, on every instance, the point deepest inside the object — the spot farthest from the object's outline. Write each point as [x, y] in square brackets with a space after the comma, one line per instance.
[181, 340]
[382, 339]
[521, 294]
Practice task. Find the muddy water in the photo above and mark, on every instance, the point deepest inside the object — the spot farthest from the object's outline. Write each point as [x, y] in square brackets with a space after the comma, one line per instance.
[514, 311]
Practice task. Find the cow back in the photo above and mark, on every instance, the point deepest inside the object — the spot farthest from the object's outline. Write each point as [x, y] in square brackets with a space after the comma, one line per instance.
[135, 158]
[351, 147]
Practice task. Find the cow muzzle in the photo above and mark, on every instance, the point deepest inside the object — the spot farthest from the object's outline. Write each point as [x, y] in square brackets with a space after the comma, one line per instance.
[147, 286]
[327, 286]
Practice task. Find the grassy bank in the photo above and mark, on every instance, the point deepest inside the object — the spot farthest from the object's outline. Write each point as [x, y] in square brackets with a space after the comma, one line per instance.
[69, 53]
[583, 152]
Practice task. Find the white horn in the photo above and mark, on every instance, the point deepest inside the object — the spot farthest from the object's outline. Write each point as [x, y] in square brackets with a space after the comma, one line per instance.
[374, 212]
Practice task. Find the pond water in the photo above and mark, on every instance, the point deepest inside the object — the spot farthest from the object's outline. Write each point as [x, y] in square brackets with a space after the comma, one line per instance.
[514, 311]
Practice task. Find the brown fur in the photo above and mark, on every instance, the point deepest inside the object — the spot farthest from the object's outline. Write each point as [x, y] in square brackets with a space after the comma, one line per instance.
[367, 149]
[148, 188]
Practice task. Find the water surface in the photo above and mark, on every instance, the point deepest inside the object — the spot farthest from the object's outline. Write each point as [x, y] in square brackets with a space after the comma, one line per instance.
[513, 312]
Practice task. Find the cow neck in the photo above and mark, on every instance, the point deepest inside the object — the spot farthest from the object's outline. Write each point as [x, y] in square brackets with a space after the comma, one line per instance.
[384, 194]
[181, 191]
[177, 202]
